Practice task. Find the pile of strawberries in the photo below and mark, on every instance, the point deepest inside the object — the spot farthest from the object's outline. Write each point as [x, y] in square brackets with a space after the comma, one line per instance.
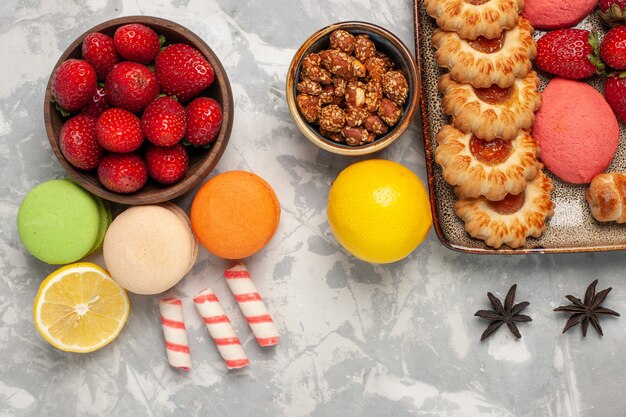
[577, 53]
[133, 104]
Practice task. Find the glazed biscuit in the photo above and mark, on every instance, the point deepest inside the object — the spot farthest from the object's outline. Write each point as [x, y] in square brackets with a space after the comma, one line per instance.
[474, 18]
[512, 220]
[492, 112]
[484, 62]
[491, 169]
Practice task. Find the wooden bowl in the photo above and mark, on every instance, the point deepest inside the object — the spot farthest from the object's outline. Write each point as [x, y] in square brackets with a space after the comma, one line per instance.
[385, 42]
[201, 161]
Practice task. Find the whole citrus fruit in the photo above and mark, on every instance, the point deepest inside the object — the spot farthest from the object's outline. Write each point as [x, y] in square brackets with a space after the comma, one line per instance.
[379, 210]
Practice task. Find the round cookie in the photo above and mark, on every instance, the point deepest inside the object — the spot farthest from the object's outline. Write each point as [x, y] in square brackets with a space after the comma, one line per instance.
[557, 14]
[149, 249]
[577, 131]
[235, 214]
[59, 222]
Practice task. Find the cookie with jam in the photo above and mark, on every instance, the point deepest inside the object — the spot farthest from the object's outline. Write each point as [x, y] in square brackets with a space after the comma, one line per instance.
[511, 220]
[474, 18]
[492, 112]
[475, 167]
[483, 62]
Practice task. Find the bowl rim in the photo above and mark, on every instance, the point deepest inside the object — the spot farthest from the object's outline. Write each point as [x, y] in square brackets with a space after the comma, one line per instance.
[209, 161]
[378, 144]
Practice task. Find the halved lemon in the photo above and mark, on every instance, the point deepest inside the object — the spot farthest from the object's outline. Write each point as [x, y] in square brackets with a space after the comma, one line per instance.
[79, 308]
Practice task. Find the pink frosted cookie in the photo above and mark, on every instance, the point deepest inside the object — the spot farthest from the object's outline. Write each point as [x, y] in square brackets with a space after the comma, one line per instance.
[557, 14]
[577, 131]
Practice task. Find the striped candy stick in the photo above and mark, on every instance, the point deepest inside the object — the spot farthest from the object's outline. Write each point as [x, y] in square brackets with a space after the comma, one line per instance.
[251, 305]
[174, 332]
[220, 329]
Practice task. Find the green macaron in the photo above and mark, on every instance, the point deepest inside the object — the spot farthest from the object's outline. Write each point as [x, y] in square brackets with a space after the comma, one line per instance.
[59, 222]
[104, 210]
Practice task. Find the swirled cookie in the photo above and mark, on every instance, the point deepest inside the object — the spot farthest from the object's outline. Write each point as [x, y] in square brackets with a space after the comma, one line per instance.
[483, 62]
[474, 18]
[511, 220]
[491, 112]
[492, 169]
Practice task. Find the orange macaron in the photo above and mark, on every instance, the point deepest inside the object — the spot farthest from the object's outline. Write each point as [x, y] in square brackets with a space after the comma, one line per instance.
[235, 214]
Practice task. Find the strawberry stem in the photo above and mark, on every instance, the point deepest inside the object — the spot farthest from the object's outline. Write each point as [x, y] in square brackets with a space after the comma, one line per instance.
[162, 42]
[595, 58]
[61, 110]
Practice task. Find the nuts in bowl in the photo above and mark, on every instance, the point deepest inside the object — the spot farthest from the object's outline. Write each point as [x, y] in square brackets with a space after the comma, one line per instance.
[138, 110]
[352, 88]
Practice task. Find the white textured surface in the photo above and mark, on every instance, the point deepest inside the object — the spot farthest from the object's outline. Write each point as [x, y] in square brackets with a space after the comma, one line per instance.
[356, 339]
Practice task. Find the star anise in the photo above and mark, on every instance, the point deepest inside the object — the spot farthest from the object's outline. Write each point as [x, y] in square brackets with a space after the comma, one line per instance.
[587, 312]
[508, 314]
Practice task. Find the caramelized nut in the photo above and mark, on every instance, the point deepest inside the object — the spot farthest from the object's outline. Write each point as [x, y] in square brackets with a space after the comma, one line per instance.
[356, 116]
[389, 64]
[312, 70]
[373, 95]
[332, 118]
[340, 85]
[311, 60]
[328, 96]
[395, 87]
[337, 62]
[355, 94]
[355, 135]
[358, 69]
[364, 48]
[308, 86]
[334, 136]
[309, 107]
[374, 124]
[376, 67]
[316, 74]
[342, 40]
[389, 111]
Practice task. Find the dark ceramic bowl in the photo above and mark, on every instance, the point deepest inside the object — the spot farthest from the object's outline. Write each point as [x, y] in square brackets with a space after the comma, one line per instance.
[385, 42]
[201, 161]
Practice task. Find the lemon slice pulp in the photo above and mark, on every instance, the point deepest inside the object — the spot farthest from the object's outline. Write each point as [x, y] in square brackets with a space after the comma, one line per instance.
[80, 308]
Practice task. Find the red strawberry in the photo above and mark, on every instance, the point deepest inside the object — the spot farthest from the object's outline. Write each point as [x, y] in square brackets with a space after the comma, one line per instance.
[73, 84]
[613, 48]
[78, 142]
[204, 119]
[615, 94]
[569, 53]
[98, 103]
[613, 12]
[119, 130]
[136, 42]
[131, 86]
[605, 5]
[122, 172]
[99, 51]
[183, 71]
[167, 165]
[164, 121]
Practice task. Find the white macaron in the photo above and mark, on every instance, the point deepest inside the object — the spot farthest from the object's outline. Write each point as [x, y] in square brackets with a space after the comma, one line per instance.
[149, 249]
